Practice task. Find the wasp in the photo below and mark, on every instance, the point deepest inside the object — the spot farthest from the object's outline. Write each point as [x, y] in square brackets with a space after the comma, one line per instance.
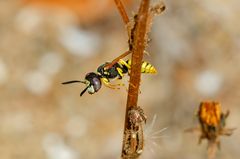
[109, 71]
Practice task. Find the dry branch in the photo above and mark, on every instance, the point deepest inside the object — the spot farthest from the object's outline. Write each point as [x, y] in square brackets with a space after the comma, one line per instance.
[122, 11]
[138, 46]
[138, 28]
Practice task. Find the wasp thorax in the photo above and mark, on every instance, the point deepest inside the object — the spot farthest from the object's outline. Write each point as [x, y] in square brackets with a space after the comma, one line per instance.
[101, 69]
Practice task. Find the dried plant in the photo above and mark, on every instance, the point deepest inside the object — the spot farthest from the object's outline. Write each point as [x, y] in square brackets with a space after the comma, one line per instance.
[138, 30]
[212, 125]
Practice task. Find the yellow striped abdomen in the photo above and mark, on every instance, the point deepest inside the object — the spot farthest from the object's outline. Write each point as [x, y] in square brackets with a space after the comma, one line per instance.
[146, 67]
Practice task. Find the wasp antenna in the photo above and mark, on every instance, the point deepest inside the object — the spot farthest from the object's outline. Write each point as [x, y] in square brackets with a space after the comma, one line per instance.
[83, 91]
[74, 81]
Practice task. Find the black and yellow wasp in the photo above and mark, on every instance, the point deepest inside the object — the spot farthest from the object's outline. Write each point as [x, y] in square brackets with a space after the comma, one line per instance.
[108, 71]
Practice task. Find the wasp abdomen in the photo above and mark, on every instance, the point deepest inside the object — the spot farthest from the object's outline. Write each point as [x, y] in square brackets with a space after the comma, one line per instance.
[146, 67]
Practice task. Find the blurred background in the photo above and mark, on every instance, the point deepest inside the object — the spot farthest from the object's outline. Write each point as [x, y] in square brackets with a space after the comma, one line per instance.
[194, 46]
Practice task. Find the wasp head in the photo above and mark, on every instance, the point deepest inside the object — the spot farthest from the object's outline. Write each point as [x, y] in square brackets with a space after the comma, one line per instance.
[92, 82]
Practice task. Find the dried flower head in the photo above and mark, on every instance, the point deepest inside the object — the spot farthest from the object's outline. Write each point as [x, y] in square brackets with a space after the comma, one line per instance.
[133, 140]
[212, 125]
[212, 121]
[209, 113]
[136, 116]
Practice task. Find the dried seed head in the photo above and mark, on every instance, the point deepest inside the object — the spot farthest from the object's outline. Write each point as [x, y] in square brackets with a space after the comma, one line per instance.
[136, 116]
[210, 113]
[212, 121]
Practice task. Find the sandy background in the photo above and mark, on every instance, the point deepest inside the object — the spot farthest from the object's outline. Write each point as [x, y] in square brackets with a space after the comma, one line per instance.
[194, 46]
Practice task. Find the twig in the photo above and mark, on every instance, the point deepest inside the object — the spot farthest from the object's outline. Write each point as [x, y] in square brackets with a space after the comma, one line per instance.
[139, 43]
[138, 46]
[122, 11]
[154, 10]
[124, 15]
[212, 149]
[138, 28]
[125, 18]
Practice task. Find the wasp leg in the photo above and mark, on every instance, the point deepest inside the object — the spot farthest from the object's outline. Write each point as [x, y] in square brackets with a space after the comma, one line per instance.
[120, 73]
[120, 83]
[122, 62]
[106, 83]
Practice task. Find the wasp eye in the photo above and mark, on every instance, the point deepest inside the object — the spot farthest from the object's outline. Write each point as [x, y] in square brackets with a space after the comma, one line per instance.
[96, 84]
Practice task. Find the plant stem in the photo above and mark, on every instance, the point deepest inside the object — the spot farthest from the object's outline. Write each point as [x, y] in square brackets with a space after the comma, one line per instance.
[139, 43]
[138, 46]
[122, 11]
